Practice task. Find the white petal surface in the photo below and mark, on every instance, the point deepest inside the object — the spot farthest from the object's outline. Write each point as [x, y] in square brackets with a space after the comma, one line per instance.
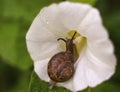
[50, 18]
[99, 44]
[98, 63]
[91, 26]
[91, 71]
[72, 14]
[40, 68]
[64, 16]
[41, 42]
[97, 38]
[79, 79]
[97, 71]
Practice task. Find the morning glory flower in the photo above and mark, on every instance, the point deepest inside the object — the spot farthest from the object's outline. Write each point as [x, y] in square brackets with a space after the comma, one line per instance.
[96, 62]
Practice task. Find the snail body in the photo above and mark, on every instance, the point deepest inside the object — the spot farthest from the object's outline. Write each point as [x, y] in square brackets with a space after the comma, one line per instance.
[61, 65]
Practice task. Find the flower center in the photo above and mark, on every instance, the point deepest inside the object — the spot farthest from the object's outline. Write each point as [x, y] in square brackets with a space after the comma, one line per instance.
[79, 41]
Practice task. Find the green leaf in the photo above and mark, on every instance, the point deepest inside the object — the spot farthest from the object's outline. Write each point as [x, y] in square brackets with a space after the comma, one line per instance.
[107, 87]
[37, 85]
[91, 2]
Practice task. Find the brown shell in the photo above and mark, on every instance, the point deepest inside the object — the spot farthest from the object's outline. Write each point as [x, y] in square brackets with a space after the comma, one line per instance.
[61, 67]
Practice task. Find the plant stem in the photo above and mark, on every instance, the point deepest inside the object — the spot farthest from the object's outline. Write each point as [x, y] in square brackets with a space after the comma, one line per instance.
[89, 89]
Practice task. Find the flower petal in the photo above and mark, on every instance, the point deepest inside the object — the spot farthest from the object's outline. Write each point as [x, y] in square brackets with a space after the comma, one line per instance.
[50, 18]
[41, 43]
[92, 18]
[99, 44]
[40, 68]
[103, 50]
[79, 79]
[72, 14]
[97, 37]
[91, 26]
[59, 18]
[92, 70]
[98, 71]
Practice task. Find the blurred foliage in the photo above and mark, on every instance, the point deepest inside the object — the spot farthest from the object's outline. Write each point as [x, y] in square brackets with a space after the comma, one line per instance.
[15, 63]
[110, 11]
[91, 2]
[13, 79]
[38, 85]
[16, 17]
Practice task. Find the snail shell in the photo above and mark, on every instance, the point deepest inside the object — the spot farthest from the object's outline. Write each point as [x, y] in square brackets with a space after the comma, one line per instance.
[61, 65]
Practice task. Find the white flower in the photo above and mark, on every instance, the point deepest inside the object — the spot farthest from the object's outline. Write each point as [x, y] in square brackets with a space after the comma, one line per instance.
[95, 65]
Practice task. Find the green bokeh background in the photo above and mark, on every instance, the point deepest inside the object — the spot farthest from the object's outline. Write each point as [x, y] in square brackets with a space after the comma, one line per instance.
[16, 66]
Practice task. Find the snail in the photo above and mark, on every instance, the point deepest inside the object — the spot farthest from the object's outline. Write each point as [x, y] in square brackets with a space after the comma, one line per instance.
[61, 65]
